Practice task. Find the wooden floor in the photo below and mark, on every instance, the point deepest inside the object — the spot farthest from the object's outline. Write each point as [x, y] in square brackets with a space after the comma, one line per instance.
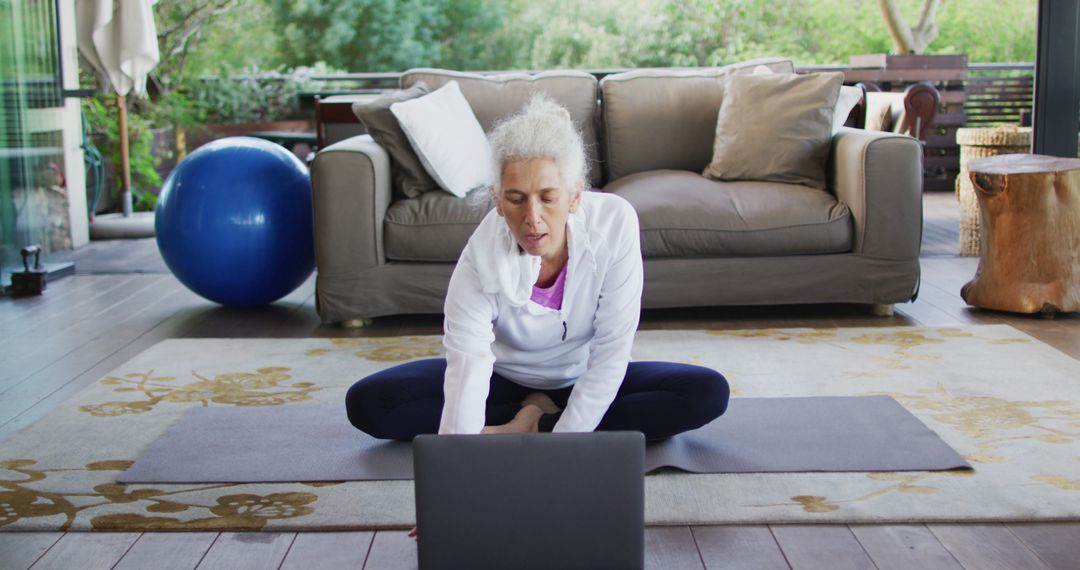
[86, 325]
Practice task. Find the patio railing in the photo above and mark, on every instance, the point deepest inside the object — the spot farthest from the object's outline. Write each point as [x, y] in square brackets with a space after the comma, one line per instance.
[999, 93]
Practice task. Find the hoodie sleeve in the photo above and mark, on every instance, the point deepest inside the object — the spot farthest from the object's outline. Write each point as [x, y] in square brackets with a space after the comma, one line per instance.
[468, 332]
[615, 322]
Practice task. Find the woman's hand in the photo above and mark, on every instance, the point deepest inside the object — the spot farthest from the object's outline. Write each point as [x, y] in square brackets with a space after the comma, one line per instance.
[412, 533]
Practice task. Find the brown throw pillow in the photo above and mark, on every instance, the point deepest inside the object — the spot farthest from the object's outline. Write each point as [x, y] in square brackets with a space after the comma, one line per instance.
[409, 176]
[883, 111]
[775, 127]
[879, 117]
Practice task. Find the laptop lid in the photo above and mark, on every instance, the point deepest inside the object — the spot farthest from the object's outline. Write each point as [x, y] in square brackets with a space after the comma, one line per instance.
[550, 500]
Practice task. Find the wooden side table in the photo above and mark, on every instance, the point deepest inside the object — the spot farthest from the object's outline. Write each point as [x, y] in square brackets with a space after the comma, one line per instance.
[1030, 237]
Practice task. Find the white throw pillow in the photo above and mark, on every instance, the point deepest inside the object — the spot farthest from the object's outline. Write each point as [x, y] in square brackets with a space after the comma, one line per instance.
[849, 97]
[447, 138]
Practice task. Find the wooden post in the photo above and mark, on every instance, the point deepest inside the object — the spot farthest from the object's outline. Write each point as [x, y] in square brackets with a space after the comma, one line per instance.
[1030, 258]
[125, 155]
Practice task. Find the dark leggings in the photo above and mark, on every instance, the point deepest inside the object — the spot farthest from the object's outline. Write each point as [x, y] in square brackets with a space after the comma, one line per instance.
[659, 399]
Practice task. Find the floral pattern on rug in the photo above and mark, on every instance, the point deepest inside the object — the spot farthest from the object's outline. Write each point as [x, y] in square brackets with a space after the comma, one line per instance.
[264, 387]
[21, 500]
[808, 336]
[992, 422]
[232, 512]
[912, 483]
[387, 349]
[1059, 481]
[1008, 403]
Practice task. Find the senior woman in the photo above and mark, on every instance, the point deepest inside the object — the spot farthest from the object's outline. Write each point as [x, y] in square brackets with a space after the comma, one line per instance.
[540, 314]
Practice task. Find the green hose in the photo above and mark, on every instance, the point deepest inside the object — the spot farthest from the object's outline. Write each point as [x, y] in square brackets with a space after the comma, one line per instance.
[95, 166]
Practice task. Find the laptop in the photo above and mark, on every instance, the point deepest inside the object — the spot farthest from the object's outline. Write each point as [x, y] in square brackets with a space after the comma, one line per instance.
[547, 500]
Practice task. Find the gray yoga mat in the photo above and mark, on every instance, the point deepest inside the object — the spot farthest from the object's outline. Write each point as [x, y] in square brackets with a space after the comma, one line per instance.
[756, 435]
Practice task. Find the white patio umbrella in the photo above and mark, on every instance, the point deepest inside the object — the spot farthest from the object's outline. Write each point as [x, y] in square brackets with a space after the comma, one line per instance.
[118, 39]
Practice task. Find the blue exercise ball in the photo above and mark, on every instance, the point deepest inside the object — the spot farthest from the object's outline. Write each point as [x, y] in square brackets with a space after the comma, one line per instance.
[233, 222]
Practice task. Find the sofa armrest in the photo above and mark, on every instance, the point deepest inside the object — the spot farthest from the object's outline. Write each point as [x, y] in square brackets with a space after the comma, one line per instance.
[920, 107]
[879, 176]
[913, 110]
[350, 185]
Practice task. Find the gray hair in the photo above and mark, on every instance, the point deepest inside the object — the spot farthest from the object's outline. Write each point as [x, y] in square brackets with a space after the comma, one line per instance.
[542, 129]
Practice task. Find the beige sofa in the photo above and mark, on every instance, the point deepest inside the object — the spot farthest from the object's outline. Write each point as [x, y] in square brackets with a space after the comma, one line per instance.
[649, 133]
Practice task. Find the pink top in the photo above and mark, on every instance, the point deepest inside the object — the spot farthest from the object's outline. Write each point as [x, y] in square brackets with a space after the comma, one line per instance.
[551, 297]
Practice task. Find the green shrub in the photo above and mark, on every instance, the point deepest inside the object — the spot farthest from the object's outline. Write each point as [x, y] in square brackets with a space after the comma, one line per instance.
[252, 95]
[103, 118]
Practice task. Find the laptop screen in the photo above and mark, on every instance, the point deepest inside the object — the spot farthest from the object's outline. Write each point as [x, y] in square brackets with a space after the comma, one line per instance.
[565, 500]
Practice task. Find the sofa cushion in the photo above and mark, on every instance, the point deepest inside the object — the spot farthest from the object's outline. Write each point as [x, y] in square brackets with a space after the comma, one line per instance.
[775, 127]
[410, 178]
[684, 214]
[433, 226]
[666, 118]
[494, 97]
[448, 139]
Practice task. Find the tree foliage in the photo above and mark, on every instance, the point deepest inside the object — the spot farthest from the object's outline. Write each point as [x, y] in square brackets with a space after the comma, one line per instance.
[181, 25]
[383, 35]
[393, 35]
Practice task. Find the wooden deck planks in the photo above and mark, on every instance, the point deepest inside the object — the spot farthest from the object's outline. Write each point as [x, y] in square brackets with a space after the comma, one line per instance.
[901, 547]
[671, 547]
[1057, 545]
[738, 547]
[328, 550]
[926, 314]
[986, 547]
[39, 325]
[15, 307]
[821, 546]
[286, 314]
[19, 550]
[20, 311]
[951, 304]
[86, 551]
[167, 551]
[32, 352]
[247, 551]
[392, 550]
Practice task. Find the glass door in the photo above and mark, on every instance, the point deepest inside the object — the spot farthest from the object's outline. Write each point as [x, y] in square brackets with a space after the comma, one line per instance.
[33, 193]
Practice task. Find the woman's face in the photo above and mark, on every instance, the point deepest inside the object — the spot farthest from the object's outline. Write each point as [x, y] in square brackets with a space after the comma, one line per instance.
[535, 202]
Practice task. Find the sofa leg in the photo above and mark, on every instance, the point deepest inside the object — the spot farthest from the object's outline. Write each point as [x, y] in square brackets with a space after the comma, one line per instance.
[355, 323]
[880, 310]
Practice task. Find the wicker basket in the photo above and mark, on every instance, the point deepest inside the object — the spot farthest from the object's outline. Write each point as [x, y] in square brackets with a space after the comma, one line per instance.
[981, 143]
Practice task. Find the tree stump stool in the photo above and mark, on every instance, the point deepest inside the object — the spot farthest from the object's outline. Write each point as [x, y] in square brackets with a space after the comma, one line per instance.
[1030, 236]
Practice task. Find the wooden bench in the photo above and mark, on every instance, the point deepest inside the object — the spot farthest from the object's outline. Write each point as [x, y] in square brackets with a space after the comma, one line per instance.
[334, 119]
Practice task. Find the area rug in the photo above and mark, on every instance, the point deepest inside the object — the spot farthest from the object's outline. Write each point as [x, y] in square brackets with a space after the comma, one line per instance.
[268, 444]
[1008, 403]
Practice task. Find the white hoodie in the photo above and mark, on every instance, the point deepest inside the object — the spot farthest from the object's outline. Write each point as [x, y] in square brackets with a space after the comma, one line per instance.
[491, 325]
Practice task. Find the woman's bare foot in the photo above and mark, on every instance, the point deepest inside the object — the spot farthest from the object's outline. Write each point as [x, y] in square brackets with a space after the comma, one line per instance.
[542, 401]
[527, 420]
